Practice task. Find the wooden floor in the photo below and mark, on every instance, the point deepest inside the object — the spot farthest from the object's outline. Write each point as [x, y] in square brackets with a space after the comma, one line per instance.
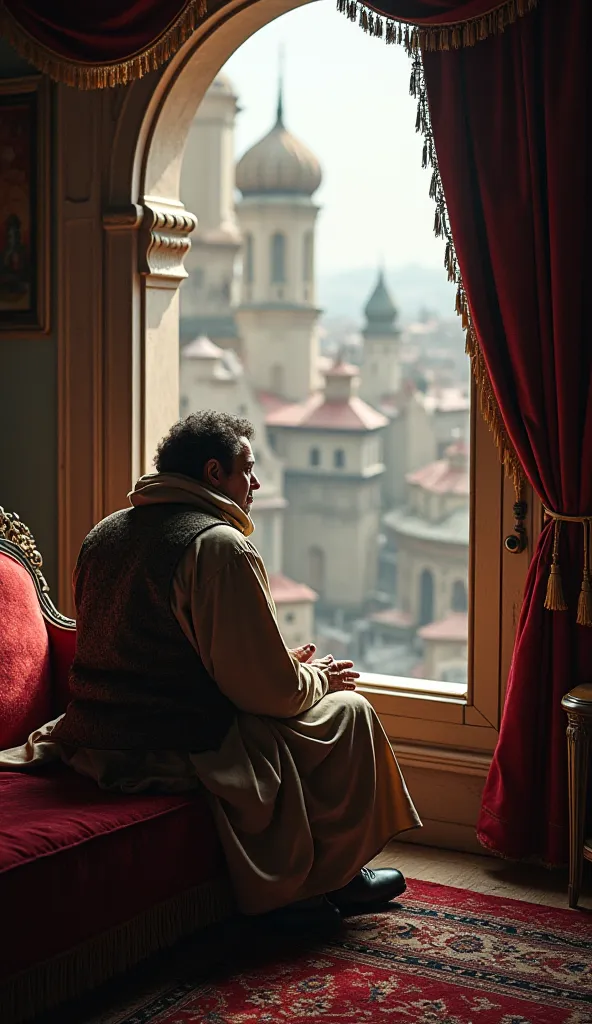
[489, 875]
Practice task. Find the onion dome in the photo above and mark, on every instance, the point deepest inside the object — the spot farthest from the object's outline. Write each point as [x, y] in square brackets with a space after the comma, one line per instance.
[278, 164]
[380, 310]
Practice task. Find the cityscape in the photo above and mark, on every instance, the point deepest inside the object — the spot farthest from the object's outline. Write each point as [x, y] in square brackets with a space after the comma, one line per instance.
[362, 421]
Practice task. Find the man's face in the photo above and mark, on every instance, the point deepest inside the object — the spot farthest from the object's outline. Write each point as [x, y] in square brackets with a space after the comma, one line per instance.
[241, 483]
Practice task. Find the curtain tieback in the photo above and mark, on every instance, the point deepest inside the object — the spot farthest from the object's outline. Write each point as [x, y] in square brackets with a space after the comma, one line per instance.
[555, 601]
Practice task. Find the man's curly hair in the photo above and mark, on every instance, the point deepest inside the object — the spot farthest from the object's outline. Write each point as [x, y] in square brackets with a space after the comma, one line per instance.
[193, 441]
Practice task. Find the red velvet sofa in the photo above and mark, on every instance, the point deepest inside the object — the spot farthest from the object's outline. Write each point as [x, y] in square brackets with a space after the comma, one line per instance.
[90, 882]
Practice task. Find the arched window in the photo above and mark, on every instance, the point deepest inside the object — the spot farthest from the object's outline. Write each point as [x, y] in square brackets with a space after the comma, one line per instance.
[249, 259]
[316, 569]
[277, 379]
[314, 457]
[339, 458]
[460, 601]
[307, 258]
[278, 258]
[426, 597]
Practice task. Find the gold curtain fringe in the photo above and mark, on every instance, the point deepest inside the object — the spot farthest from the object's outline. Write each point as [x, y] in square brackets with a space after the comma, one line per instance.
[103, 76]
[437, 37]
[487, 399]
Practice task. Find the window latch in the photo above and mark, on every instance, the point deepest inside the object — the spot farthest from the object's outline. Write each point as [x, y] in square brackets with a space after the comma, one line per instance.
[515, 542]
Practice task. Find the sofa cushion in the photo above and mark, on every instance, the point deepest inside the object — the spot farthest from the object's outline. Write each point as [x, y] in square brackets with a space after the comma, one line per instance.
[76, 861]
[25, 668]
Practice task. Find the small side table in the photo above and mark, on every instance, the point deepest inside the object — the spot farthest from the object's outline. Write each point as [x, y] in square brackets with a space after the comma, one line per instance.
[578, 705]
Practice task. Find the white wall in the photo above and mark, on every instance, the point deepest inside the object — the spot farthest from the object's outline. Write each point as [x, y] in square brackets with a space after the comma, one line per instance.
[294, 217]
[296, 622]
[363, 453]
[342, 519]
[285, 338]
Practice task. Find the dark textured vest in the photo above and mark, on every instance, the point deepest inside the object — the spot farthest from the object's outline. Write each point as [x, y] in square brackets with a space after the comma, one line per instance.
[136, 680]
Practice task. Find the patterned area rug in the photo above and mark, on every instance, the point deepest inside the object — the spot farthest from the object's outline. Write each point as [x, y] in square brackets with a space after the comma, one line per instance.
[441, 956]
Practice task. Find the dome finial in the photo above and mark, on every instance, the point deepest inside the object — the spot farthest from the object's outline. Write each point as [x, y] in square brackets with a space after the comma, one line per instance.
[280, 102]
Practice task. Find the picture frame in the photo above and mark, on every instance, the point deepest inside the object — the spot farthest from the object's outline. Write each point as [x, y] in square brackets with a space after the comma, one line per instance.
[25, 211]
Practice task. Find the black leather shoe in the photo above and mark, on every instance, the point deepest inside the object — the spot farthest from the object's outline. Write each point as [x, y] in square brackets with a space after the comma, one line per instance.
[369, 889]
[313, 915]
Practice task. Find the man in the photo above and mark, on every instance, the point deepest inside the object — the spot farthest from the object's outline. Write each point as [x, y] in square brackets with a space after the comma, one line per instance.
[181, 679]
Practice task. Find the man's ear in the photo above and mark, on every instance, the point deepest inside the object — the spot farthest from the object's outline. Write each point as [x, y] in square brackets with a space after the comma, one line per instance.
[212, 471]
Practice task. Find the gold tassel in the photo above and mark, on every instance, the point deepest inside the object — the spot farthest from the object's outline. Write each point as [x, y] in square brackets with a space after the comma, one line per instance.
[555, 601]
[585, 599]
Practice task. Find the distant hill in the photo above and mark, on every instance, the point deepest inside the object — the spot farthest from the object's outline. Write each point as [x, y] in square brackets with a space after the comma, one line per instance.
[344, 294]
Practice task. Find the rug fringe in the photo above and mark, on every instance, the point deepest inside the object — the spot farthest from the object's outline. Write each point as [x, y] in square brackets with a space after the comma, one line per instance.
[72, 974]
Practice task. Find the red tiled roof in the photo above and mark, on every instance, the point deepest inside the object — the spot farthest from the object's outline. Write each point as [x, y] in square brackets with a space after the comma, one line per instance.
[287, 591]
[454, 627]
[441, 478]
[317, 413]
[271, 403]
[393, 617]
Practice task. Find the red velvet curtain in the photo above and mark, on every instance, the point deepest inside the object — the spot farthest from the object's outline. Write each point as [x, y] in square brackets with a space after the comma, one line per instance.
[95, 31]
[68, 38]
[511, 119]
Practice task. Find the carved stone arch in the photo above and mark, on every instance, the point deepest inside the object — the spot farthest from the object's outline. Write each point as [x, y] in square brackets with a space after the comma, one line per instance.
[122, 237]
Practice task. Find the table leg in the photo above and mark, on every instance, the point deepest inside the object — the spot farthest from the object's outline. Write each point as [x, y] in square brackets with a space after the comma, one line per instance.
[578, 755]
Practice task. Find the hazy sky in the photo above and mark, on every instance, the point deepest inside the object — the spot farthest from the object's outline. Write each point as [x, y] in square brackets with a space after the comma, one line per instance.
[346, 95]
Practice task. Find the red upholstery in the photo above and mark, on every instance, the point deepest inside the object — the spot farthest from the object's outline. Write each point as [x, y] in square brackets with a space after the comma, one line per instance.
[62, 645]
[72, 857]
[25, 669]
[84, 861]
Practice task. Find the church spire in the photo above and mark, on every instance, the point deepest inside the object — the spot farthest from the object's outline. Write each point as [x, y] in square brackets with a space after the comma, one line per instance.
[381, 312]
[280, 102]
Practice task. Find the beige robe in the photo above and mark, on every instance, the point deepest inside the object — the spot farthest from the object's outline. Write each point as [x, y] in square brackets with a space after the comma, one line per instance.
[305, 788]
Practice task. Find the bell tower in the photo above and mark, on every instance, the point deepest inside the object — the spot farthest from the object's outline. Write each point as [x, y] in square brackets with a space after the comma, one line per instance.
[381, 368]
[277, 316]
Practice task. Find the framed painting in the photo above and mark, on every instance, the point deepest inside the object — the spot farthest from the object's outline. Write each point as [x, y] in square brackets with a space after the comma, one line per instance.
[24, 206]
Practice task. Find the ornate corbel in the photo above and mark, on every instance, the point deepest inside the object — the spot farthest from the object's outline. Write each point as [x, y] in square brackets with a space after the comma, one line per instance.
[164, 241]
[164, 227]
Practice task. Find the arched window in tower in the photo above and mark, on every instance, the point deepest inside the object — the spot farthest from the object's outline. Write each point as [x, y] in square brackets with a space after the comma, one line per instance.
[460, 601]
[276, 380]
[278, 258]
[339, 458]
[426, 597]
[316, 569]
[249, 259]
[307, 258]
